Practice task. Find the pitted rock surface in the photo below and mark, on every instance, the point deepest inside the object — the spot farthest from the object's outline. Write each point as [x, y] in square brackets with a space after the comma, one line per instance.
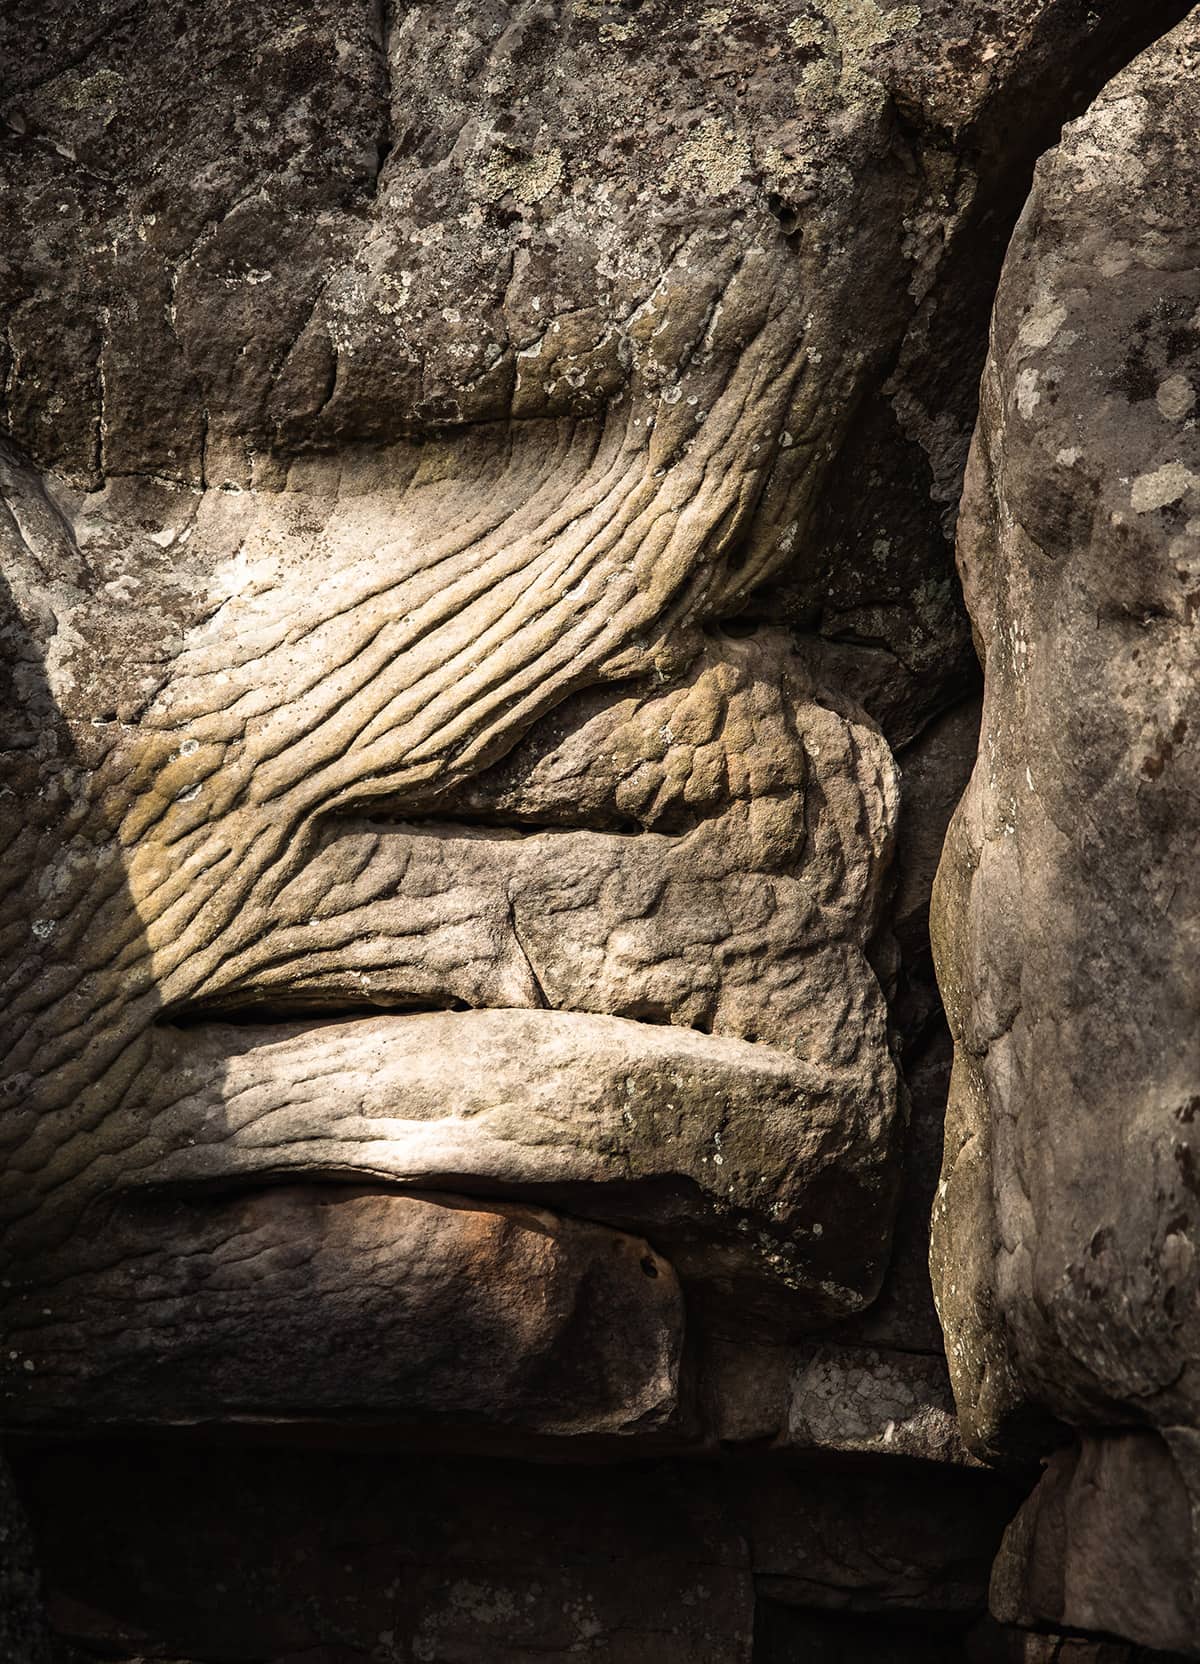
[1065, 916]
[486, 682]
[392, 406]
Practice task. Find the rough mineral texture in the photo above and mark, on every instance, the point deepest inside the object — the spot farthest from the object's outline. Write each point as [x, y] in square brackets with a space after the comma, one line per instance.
[1066, 1226]
[430, 1306]
[413, 705]
[485, 687]
[393, 416]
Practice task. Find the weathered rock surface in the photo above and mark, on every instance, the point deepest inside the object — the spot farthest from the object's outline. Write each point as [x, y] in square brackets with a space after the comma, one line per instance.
[430, 1307]
[1107, 1542]
[1065, 918]
[425, 445]
[825, 1396]
[992, 1643]
[393, 411]
[864, 1540]
[474, 494]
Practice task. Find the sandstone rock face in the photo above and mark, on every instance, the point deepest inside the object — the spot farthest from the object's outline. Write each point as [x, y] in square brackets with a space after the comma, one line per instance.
[1105, 1543]
[485, 690]
[370, 495]
[1065, 916]
[430, 1307]
[392, 416]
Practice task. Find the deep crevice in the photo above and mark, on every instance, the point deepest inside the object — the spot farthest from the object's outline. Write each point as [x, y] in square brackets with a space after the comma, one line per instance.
[304, 1010]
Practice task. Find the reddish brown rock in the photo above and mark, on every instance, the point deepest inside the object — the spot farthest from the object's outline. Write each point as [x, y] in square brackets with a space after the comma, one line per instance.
[428, 1308]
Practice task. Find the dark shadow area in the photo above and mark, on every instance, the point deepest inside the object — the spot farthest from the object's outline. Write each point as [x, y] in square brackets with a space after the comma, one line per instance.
[36, 749]
[240, 1554]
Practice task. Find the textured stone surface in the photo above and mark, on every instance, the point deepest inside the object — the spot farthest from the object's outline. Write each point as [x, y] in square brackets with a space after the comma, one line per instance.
[430, 1307]
[1106, 1543]
[392, 415]
[869, 1540]
[415, 1561]
[992, 1643]
[881, 1402]
[876, 1403]
[422, 481]
[1065, 917]
[688, 945]
[486, 689]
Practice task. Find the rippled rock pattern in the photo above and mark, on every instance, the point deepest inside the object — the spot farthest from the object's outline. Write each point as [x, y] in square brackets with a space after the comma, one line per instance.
[486, 688]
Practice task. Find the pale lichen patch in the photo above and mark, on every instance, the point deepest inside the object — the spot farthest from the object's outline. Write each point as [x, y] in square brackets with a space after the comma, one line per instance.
[528, 178]
[847, 33]
[81, 92]
[1166, 485]
[1028, 396]
[718, 154]
[1042, 324]
[1176, 398]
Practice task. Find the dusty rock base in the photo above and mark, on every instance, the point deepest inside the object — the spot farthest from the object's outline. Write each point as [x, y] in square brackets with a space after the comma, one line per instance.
[235, 1553]
[228, 1554]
